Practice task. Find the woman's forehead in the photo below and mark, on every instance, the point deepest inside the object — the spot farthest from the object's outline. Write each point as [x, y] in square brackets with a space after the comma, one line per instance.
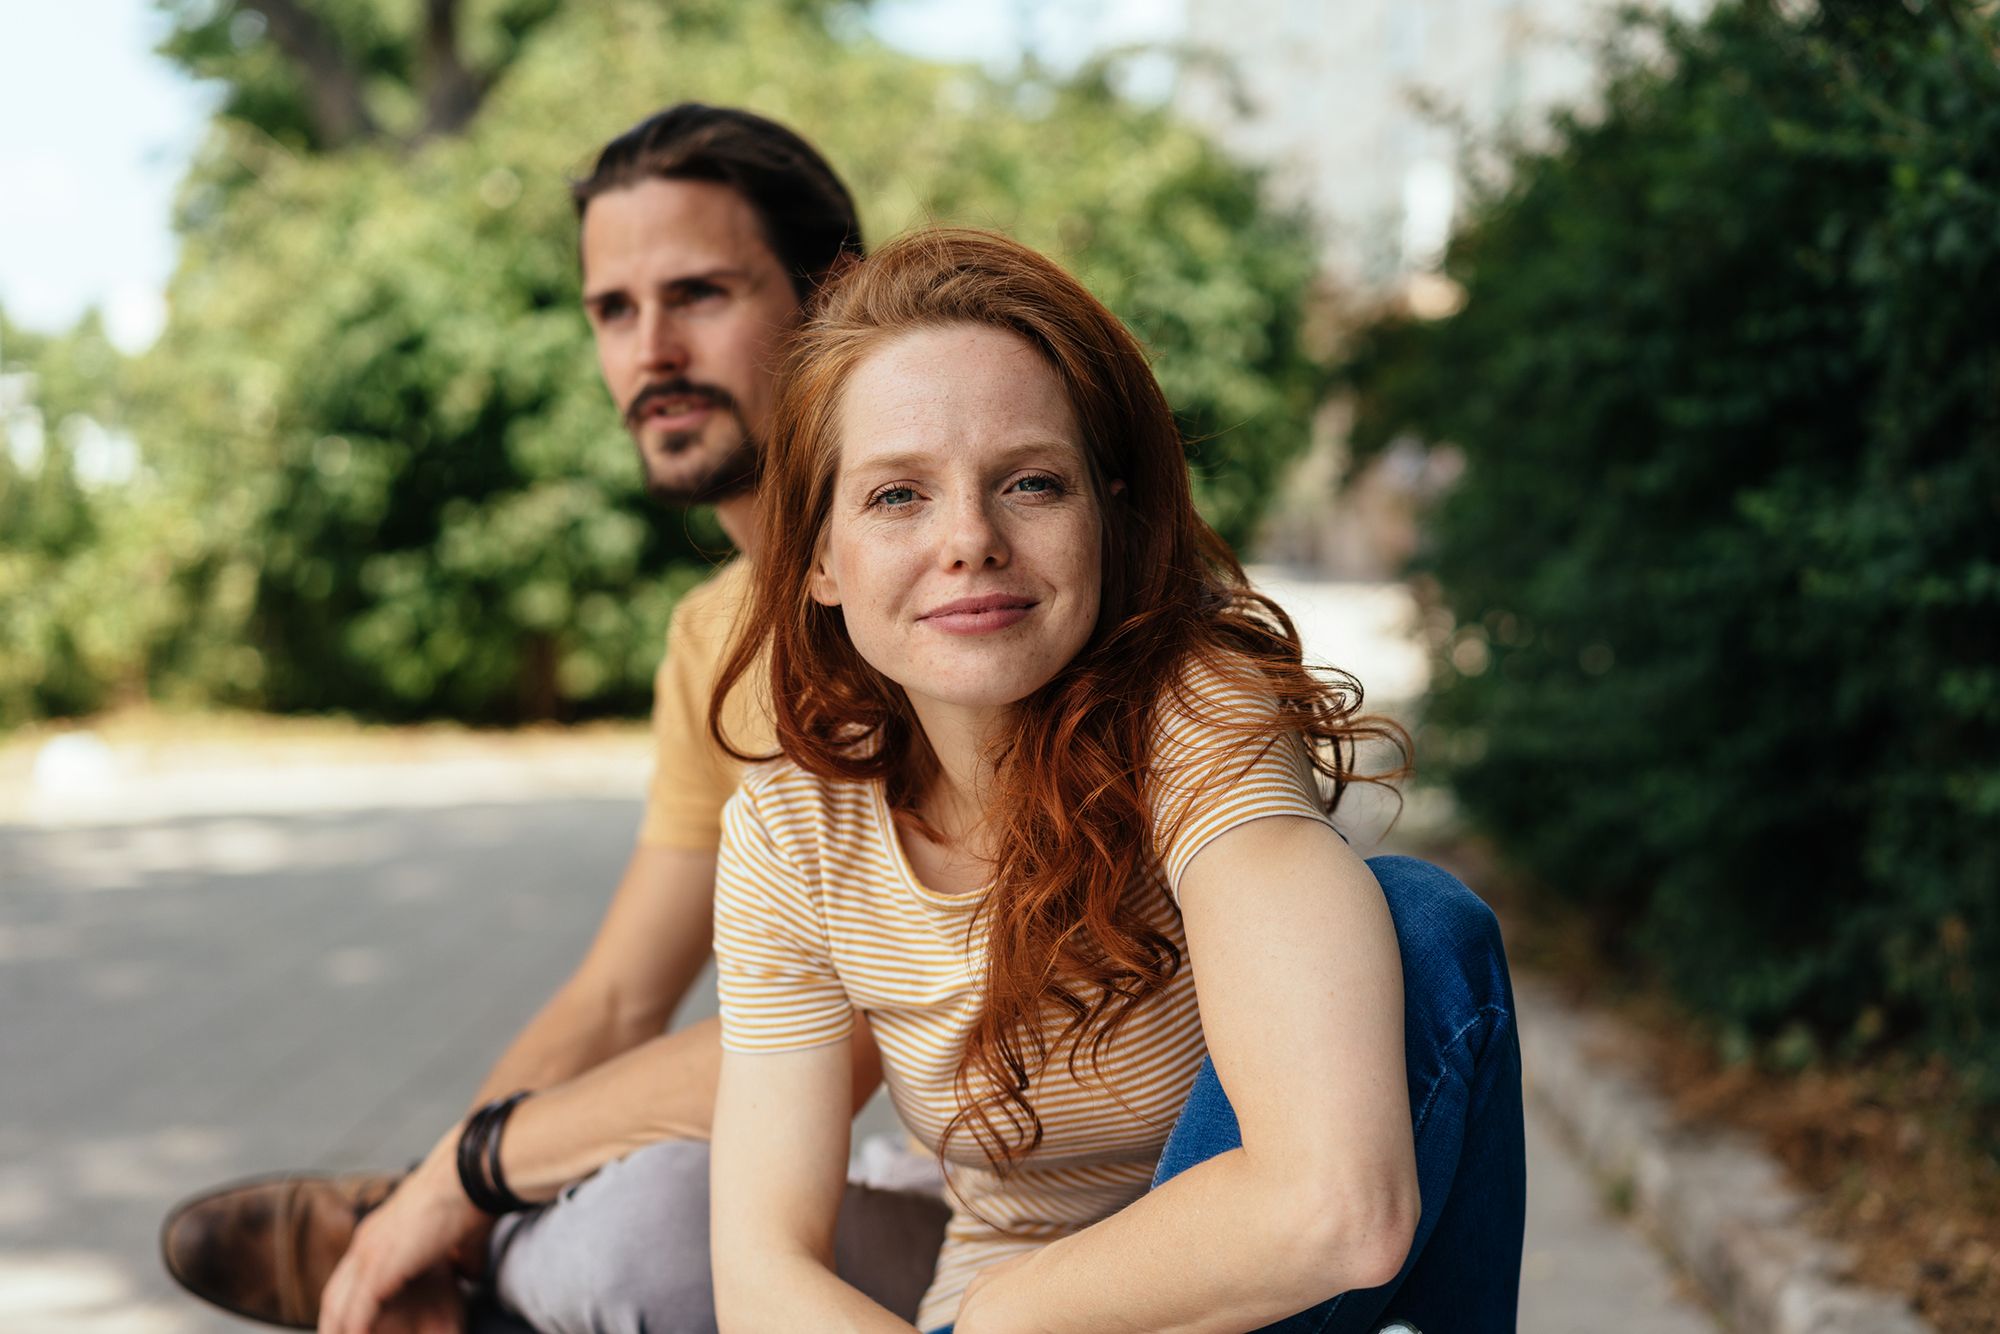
[958, 390]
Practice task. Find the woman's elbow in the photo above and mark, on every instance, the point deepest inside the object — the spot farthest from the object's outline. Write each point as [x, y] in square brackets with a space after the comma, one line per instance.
[751, 1309]
[1354, 1238]
[748, 1295]
[735, 1305]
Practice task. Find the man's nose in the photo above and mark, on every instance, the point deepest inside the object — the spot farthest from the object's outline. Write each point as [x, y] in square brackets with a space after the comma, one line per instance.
[972, 538]
[663, 343]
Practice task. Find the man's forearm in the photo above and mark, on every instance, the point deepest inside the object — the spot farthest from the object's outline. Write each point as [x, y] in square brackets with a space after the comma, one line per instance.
[663, 1088]
[649, 949]
[659, 1089]
[568, 1036]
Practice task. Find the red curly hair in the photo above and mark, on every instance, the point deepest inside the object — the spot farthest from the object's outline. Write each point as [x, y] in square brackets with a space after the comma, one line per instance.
[1071, 954]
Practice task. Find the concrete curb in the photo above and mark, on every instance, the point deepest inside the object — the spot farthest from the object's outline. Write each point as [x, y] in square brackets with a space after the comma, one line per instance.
[1718, 1204]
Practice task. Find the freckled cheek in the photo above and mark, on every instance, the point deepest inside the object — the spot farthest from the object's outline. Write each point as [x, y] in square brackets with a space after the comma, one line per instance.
[873, 591]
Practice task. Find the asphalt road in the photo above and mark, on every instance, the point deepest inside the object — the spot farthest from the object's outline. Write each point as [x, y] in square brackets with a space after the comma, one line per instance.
[186, 1001]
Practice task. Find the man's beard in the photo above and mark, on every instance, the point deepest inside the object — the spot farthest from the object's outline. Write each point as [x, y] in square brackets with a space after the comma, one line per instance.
[732, 474]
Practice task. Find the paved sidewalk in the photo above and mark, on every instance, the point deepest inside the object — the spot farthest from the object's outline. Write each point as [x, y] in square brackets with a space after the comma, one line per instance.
[220, 958]
[191, 1000]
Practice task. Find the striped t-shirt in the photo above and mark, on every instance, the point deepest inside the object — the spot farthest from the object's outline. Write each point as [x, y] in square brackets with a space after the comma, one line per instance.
[818, 914]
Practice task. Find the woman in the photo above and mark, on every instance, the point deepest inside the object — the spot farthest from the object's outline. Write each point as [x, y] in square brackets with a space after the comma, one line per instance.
[1047, 814]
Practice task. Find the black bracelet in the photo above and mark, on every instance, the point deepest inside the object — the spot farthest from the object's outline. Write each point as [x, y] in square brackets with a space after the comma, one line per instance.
[494, 1177]
[470, 1139]
[479, 1172]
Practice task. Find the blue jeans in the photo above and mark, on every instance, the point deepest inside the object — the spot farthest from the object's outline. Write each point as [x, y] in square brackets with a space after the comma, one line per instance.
[1464, 1059]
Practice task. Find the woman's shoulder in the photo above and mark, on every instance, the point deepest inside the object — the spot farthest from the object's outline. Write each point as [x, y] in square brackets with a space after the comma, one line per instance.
[1212, 695]
[1219, 724]
[792, 804]
[1225, 752]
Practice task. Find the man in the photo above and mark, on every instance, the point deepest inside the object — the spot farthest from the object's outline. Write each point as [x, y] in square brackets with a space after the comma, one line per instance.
[704, 232]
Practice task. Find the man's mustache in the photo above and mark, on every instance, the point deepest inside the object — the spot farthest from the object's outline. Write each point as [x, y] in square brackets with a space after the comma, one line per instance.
[716, 395]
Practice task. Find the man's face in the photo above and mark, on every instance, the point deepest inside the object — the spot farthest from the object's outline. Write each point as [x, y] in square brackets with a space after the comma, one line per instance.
[687, 304]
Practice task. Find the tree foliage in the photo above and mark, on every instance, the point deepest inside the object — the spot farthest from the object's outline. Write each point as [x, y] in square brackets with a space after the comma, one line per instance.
[78, 556]
[1723, 558]
[376, 390]
[318, 76]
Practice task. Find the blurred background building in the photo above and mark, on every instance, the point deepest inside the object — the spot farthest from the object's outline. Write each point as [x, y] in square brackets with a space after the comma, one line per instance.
[1362, 111]
[1368, 115]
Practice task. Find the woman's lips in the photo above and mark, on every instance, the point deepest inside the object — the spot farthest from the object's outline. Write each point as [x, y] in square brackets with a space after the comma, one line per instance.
[981, 615]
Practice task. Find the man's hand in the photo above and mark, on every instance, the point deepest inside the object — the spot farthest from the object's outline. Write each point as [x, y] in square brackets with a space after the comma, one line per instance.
[429, 1305]
[396, 1275]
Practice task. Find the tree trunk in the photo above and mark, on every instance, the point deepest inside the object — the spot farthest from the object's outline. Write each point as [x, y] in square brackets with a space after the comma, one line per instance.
[452, 93]
[339, 115]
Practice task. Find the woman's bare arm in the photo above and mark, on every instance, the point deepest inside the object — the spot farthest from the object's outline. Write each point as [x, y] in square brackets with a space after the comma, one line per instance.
[777, 1171]
[1301, 992]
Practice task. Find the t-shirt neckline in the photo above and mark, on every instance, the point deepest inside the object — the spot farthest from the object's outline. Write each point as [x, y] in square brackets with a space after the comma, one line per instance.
[892, 837]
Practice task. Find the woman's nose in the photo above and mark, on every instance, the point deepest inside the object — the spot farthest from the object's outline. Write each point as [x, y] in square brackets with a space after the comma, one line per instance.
[972, 539]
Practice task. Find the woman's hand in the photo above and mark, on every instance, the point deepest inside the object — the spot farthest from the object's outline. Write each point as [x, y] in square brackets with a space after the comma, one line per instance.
[395, 1274]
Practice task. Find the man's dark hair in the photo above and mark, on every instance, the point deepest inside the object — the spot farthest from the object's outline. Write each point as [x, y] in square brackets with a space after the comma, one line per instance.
[808, 217]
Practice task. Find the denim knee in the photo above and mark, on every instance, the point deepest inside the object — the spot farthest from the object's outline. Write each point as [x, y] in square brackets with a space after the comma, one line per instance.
[1448, 937]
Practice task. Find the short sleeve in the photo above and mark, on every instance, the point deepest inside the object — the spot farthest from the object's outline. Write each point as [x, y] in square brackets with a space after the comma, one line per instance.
[692, 777]
[773, 966]
[1223, 757]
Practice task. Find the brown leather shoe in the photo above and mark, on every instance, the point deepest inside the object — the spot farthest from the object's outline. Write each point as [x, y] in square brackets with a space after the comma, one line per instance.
[263, 1249]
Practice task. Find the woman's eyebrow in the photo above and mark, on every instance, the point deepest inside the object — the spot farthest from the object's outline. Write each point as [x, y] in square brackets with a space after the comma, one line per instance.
[917, 460]
[902, 461]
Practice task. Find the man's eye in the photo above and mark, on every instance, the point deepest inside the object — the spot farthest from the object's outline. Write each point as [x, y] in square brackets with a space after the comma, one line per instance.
[611, 310]
[895, 497]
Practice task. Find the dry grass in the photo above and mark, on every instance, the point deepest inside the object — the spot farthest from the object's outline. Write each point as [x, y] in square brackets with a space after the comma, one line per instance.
[1888, 1149]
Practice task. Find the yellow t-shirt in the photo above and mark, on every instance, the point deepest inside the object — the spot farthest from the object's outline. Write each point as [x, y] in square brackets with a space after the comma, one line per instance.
[818, 914]
[692, 778]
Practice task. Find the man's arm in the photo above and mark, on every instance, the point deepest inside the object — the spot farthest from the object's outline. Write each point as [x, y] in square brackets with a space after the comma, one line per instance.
[608, 1082]
[647, 953]
[650, 946]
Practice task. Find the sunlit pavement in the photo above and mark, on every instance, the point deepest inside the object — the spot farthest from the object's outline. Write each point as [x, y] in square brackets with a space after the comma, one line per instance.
[192, 1001]
[187, 1000]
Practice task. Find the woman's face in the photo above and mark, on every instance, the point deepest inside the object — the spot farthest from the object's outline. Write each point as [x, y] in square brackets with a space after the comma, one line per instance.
[962, 544]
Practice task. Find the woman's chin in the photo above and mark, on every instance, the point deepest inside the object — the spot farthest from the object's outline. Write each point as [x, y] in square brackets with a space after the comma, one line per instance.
[989, 696]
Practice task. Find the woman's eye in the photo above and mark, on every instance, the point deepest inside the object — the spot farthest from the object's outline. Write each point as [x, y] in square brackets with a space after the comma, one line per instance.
[893, 496]
[1037, 485]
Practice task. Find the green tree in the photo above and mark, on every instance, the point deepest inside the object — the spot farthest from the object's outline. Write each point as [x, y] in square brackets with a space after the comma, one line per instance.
[1723, 558]
[77, 564]
[377, 392]
[328, 76]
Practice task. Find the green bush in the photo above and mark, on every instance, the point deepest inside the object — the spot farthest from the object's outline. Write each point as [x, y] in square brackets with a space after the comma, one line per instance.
[1725, 557]
[377, 391]
[82, 583]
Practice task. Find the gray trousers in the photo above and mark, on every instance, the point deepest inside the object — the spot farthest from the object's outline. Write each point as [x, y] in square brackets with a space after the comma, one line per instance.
[626, 1251]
